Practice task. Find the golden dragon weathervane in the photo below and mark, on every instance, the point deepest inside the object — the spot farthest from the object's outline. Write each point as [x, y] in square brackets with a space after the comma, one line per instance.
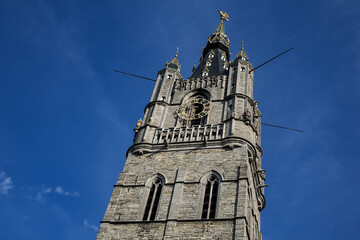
[224, 16]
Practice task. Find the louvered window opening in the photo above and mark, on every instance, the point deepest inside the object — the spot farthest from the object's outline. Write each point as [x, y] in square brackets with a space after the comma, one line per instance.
[210, 198]
[153, 200]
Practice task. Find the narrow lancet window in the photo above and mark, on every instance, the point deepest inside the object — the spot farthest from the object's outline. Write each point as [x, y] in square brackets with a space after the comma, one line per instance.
[210, 198]
[153, 200]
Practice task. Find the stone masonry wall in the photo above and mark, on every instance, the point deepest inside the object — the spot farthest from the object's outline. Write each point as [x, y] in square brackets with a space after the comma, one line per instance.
[179, 212]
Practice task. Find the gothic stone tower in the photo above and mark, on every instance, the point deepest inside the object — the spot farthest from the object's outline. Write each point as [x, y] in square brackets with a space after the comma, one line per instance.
[194, 170]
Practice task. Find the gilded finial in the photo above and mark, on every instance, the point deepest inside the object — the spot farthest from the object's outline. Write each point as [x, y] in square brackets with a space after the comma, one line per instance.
[177, 52]
[223, 16]
[219, 35]
[138, 124]
[175, 60]
[194, 68]
[242, 54]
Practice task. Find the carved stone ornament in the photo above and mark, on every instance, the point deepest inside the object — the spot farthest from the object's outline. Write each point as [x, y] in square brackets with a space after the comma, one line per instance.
[194, 108]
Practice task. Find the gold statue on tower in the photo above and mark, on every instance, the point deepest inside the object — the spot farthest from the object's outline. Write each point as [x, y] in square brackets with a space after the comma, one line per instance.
[224, 16]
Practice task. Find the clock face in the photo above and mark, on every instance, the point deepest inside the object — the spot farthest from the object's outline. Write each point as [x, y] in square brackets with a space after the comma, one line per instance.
[194, 108]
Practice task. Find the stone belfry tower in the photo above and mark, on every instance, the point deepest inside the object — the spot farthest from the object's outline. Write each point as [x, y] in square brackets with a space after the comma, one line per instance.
[194, 170]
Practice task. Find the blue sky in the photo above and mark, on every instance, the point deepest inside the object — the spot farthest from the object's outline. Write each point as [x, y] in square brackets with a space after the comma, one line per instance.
[66, 120]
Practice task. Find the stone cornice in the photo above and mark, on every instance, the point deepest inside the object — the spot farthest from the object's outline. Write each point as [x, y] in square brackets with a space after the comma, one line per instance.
[227, 142]
[177, 220]
[156, 102]
[239, 95]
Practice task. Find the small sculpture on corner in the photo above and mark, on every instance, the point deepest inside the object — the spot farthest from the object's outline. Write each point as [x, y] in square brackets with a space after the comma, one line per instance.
[138, 125]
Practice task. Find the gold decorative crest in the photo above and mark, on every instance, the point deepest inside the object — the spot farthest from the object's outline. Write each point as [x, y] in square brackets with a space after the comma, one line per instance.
[223, 16]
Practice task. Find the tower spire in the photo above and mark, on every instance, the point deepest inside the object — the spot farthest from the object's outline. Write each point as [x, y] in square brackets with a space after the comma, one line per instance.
[219, 35]
[242, 54]
[221, 29]
[174, 63]
[215, 56]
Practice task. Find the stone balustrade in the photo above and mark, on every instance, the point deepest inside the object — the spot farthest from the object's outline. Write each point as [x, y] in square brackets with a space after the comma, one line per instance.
[189, 134]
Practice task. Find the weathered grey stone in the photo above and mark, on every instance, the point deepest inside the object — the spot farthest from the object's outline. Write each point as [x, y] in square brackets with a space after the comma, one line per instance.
[226, 144]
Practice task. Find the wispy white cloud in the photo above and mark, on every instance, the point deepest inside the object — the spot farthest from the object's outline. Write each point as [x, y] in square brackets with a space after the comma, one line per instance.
[5, 183]
[60, 190]
[91, 226]
[40, 195]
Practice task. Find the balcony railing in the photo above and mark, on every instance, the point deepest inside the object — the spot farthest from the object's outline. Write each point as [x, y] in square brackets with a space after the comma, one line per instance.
[188, 134]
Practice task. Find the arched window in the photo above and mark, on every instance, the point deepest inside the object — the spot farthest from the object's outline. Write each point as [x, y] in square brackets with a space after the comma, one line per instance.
[210, 197]
[152, 203]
